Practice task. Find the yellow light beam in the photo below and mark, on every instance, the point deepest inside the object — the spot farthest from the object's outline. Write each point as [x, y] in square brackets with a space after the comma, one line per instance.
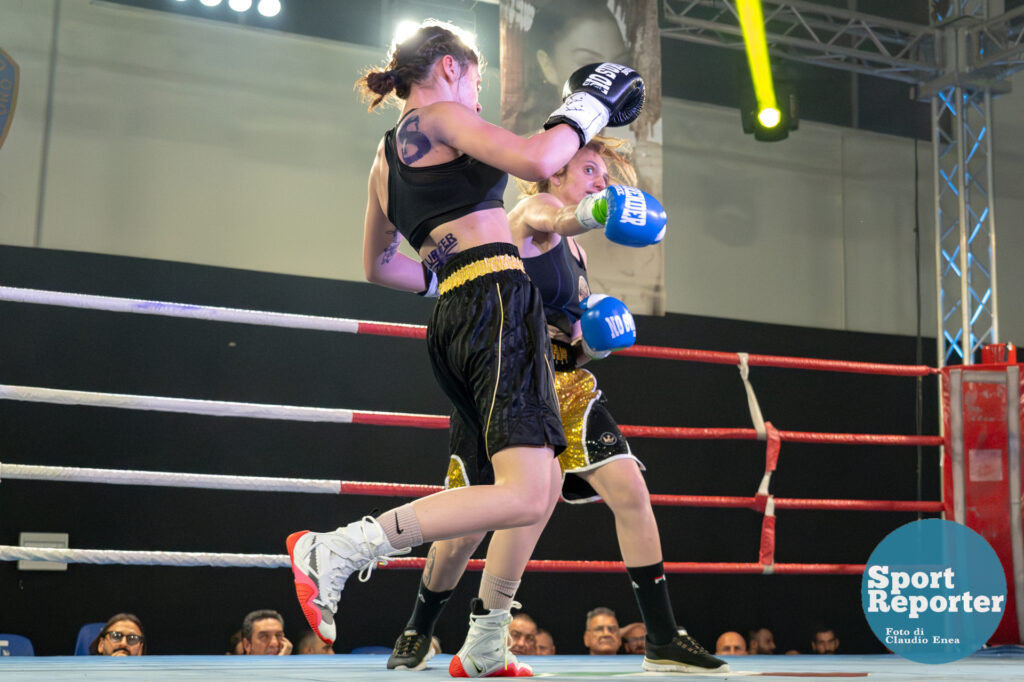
[752, 23]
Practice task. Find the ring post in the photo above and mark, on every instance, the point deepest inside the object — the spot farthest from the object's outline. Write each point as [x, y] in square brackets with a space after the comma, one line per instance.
[982, 477]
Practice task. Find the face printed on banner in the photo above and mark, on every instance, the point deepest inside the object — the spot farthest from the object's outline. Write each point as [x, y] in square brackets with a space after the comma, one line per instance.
[596, 38]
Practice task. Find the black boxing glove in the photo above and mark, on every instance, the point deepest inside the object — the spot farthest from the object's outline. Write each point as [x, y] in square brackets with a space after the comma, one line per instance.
[597, 95]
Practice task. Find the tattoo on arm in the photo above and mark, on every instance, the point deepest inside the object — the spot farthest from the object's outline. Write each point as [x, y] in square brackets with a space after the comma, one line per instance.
[446, 247]
[413, 144]
[390, 252]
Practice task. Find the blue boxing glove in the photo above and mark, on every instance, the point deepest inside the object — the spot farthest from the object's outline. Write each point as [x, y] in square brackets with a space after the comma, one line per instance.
[607, 325]
[629, 216]
[597, 95]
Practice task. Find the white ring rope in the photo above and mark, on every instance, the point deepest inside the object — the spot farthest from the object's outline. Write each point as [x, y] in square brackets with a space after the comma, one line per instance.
[216, 408]
[198, 312]
[168, 479]
[140, 558]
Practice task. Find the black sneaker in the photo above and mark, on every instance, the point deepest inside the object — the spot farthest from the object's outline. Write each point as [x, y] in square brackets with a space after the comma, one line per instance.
[412, 651]
[682, 655]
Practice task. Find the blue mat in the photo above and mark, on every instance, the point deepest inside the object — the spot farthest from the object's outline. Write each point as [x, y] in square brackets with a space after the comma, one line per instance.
[1006, 666]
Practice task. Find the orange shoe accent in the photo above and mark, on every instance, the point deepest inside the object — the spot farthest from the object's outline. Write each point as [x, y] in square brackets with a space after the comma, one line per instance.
[512, 670]
[290, 542]
[455, 668]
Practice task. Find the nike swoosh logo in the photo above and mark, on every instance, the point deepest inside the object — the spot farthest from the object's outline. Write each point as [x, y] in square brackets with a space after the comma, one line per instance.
[398, 529]
[504, 595]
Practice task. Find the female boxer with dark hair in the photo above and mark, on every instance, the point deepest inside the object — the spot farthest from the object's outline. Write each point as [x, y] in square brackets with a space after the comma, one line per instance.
[437, 181]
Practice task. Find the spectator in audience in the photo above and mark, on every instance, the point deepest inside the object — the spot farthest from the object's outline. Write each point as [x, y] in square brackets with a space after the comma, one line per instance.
[122, 635]
[263, 634]
[602, 634]
[634, 638]
[760, 641]
[825, 641]
[731, 644]
[235, 644]
[523, 632]
[545, 643]
[312, 644]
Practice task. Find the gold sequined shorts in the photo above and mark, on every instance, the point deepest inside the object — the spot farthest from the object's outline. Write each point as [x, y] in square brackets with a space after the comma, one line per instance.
[593, 439]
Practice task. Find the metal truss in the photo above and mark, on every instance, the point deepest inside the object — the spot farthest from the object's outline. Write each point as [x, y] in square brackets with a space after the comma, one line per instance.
[964, 222]
[815, 34]
[958, 63]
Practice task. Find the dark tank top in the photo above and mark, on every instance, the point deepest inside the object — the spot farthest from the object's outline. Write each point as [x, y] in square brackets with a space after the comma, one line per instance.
[422, 197]
[561, 278]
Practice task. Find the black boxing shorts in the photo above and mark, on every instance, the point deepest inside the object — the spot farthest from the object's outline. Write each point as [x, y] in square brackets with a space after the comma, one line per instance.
[490, 351]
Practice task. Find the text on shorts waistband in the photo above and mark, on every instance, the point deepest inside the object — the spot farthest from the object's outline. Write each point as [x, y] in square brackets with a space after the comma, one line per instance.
[484, 266]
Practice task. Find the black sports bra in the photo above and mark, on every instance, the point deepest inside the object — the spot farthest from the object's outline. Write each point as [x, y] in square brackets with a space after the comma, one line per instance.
[562, 281]
[422, 197]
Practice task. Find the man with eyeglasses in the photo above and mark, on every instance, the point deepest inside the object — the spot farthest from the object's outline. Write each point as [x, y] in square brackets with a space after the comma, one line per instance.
[602, 634]
[263, 634]
[634, 638]
[122, 635]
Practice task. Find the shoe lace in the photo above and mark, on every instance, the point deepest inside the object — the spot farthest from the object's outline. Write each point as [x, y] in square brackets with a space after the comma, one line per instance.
[508, 636]
[336, 578]
[367, 568]
[691, 645]
[407, 643]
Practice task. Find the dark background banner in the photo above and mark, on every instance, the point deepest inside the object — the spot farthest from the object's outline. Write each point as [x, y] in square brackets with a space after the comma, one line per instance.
[195, 610]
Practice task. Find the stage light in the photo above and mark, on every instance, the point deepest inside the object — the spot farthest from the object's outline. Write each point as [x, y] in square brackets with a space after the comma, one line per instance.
[764, 125]
[752, 23]
[404, 30]
[769, 117]
[269, 8]
[210, 3]
[240, 5]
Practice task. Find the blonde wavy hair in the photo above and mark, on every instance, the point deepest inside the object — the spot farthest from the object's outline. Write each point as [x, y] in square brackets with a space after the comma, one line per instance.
[616, 154]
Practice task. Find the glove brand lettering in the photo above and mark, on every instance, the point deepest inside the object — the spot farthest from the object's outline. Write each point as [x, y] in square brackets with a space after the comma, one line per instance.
[635, 207]
[604, 75]
[884, 593]
[620, 324]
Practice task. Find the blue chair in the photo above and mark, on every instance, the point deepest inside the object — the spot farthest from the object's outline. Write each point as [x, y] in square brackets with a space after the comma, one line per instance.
[16, 645]
[86, 634]
[376, 650]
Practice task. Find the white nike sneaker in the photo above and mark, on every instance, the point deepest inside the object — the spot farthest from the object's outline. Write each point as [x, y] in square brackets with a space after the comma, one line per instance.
[322, 562]
[486, 650]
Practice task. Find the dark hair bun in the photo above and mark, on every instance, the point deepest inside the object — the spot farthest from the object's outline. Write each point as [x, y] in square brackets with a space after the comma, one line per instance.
[381, 82]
